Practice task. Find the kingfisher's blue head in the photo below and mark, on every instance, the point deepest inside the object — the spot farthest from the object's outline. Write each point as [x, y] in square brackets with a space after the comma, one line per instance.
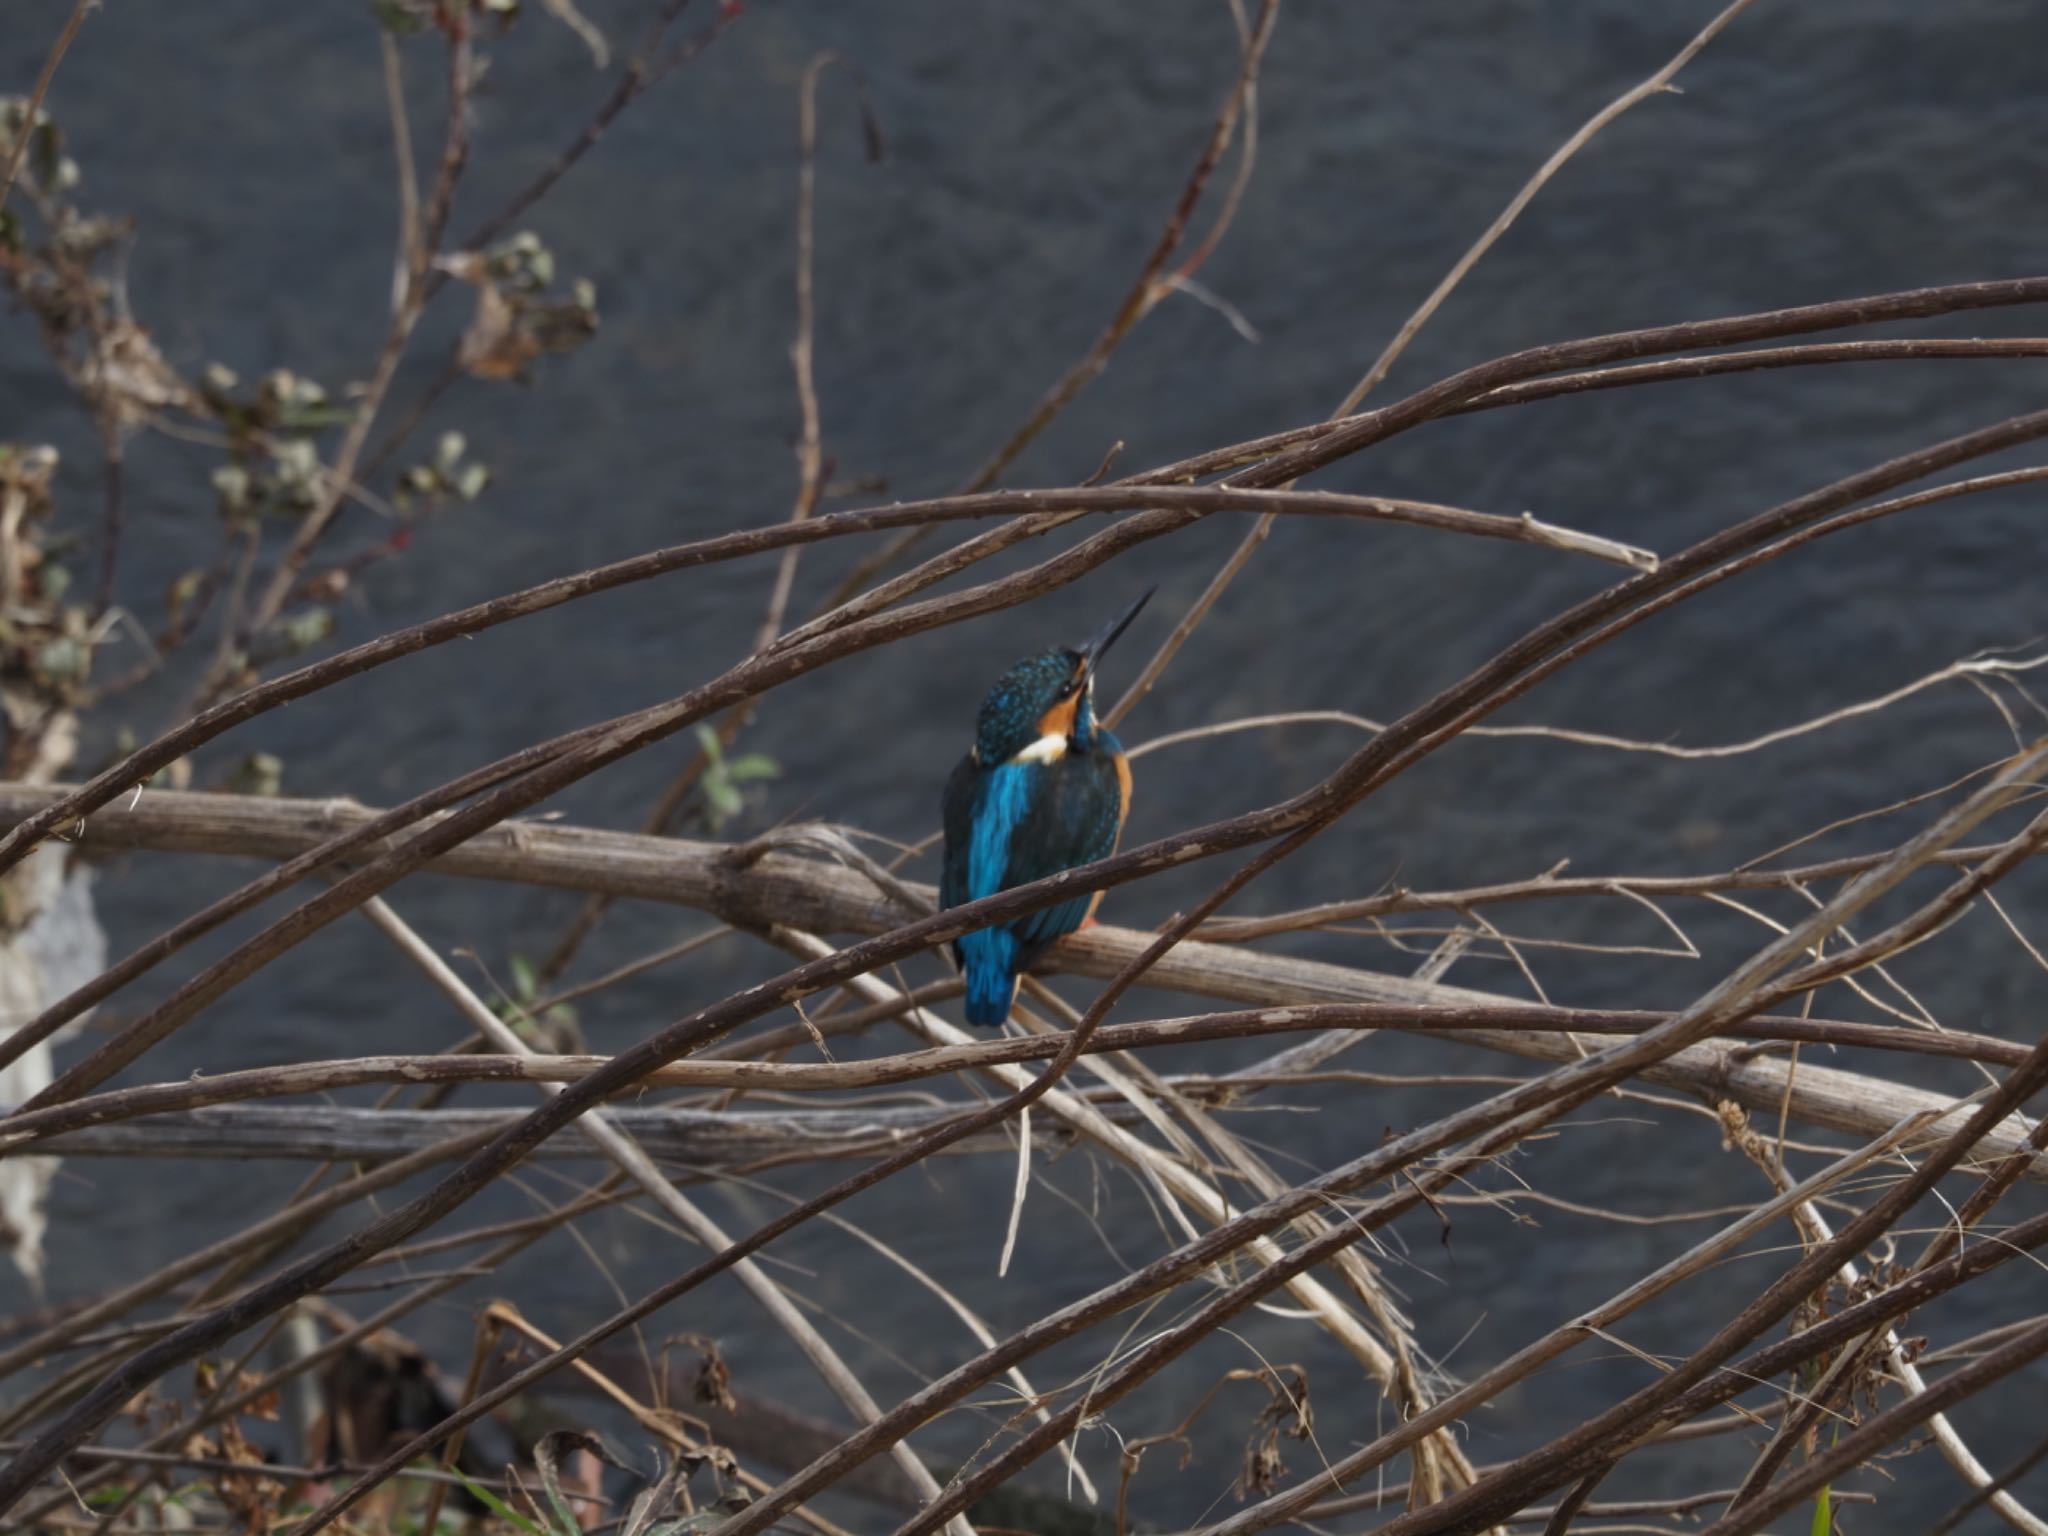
[1045, 703]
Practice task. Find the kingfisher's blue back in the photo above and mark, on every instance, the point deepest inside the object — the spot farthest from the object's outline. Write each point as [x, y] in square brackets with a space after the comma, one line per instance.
[1044, 788]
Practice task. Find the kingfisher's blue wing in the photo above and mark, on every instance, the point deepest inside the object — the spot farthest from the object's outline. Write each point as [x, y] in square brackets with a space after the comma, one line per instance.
[983, 808]
[961, 789]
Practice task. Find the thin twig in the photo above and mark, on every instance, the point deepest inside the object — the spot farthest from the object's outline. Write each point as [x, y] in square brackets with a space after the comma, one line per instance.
[42, 89]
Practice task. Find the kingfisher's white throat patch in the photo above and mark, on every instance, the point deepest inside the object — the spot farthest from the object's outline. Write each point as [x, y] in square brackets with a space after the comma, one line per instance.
[1047, 749]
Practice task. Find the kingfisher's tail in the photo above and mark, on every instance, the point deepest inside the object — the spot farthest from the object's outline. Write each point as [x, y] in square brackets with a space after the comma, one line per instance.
[990, 991]
[990, 960]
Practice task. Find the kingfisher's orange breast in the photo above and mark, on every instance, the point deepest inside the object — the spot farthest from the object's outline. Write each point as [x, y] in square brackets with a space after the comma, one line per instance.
[1122, 765]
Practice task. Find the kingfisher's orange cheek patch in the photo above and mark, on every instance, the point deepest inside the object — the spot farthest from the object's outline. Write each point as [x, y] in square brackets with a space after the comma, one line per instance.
[1059, 720]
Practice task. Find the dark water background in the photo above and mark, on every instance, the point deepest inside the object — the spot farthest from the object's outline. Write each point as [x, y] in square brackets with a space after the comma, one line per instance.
[1817, 151]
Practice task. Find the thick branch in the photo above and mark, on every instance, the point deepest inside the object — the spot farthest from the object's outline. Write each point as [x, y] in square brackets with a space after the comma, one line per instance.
[821, 897]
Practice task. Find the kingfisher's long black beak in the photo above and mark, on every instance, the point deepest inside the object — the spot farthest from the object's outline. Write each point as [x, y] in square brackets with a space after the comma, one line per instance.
[1105, 637]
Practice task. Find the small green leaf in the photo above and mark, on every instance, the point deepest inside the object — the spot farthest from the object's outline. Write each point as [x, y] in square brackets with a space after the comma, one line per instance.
[690, 1525]
[64, 659]
[725, 800]
[307, 628]
[525, 980]
[231, 484]
[311, 418]
[498, 1506]
[1823, 1512]
[180, 596]
[547, 1458]
[46, 154]
[723, 777]
[754, 765]
[296, 460]
[260, 773]
[398, 18]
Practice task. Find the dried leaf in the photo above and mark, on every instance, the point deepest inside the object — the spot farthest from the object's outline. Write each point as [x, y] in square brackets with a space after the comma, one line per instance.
[127, 376]
[491, 348]
[510, 328]
[714, 1381]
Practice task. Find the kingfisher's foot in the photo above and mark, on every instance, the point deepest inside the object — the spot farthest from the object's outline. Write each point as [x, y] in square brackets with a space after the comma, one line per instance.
[1086, 922]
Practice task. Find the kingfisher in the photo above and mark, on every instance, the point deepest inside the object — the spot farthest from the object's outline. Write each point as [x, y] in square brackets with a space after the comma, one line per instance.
[1045, 787]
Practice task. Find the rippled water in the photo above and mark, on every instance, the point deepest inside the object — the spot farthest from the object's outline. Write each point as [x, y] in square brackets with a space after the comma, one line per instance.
[1815, 152]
